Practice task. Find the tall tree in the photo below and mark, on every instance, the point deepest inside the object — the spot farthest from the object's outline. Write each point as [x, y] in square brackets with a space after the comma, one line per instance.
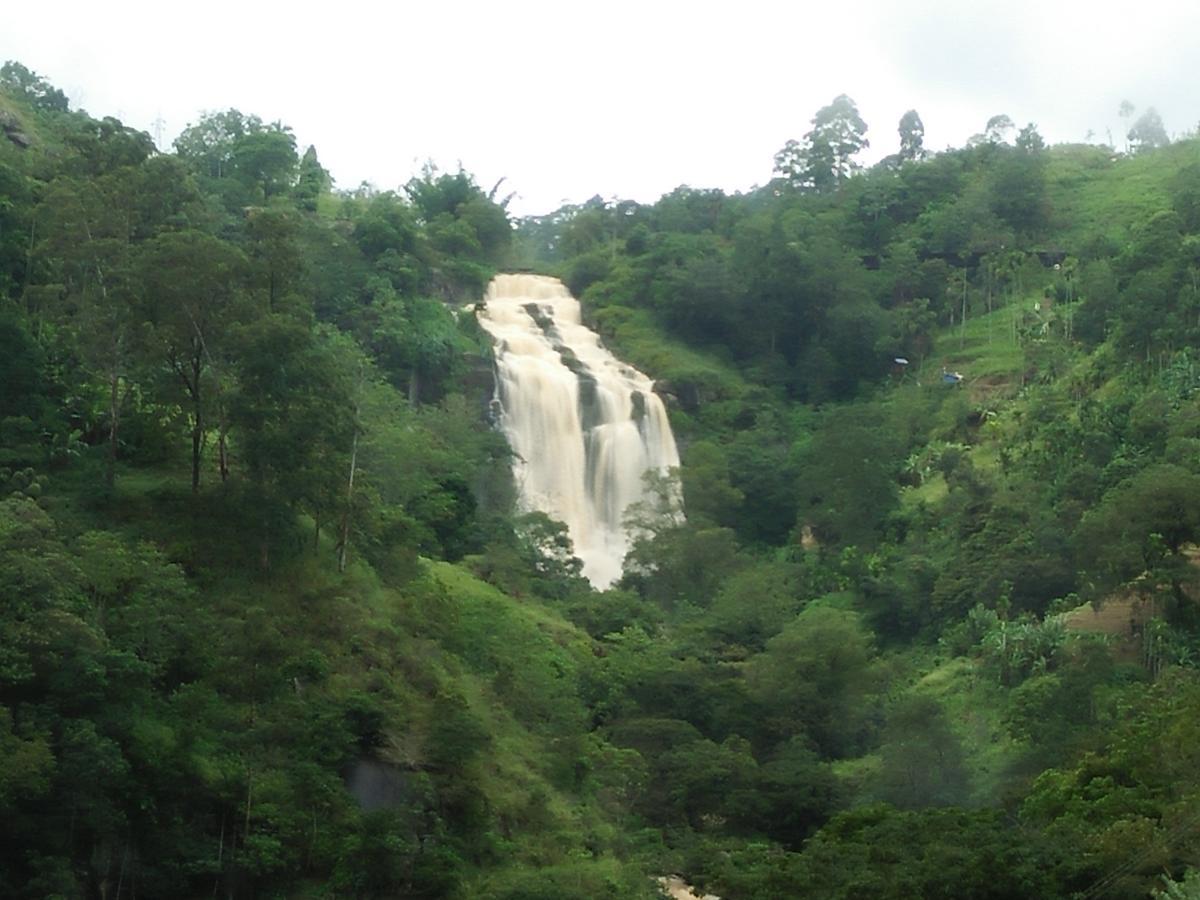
[1126, 111]
[1029, 140]
[825, 158]
[312, 181]
[912, 137]
[86, 254]
[998, 128]
[294, 413]
[192, 286]
[1148, 132]
[246, 160]
[276, 262]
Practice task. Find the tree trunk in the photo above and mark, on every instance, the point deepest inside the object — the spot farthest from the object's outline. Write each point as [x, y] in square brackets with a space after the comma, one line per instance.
[962, 333]
[264, 547]
[196, 435]
[223, 454]
[197, 422]
[249, 800]
[121, 873]
[37, 319]
[414, 387]
[344, 542]
[220, 854]
[114, 421]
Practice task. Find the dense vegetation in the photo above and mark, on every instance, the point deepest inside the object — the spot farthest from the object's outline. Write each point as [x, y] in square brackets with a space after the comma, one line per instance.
[272, 627]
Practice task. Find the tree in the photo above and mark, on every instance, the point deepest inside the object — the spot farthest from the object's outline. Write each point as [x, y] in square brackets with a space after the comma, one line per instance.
[91, 232]
[1186, 888]
[709, 496]
[680, 563]
[105, 146]
[912, 137]
[1126, 111]
[1100, 298]
[887, 854]
[388, 235]
[546, 547]
[468, 229]
[1128, 801]
[1148, 132]
[416, 343]
[813, 676]
[997, 129]
[797, 791]
[266, 159]
[1019, 185]
[754, 604]
[294, 414]
[825, 160]
[923, 760]
[276, 267]
[191, 282]
[36, 89]
[1142, 524]
[87, 251]
[705, 780]
[1185, 196]
[246, 160]
[1029, 140]
[848, 488]
[208, 144]
[312, 181]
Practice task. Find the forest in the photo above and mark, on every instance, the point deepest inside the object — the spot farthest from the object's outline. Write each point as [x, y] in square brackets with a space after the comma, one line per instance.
[272, 623]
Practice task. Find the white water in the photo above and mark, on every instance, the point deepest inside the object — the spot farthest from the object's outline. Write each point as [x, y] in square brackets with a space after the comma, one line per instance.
[572, 413]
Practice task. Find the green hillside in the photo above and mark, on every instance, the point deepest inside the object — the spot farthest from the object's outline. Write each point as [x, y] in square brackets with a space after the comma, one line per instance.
[272, 625]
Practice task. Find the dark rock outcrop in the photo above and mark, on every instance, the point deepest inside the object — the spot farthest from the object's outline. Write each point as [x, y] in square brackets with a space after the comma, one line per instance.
[10, 125]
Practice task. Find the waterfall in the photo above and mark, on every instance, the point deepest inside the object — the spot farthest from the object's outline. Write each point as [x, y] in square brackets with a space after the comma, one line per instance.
[584, 426]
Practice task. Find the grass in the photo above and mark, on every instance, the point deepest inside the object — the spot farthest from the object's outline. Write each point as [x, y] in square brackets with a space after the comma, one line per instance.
[973, 703]
[517, 663]
[930, 493]
[1091, 190]
[984, 352]
[638, 340]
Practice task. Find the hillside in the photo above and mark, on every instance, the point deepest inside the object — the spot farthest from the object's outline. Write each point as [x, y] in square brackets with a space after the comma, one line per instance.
[273, 624]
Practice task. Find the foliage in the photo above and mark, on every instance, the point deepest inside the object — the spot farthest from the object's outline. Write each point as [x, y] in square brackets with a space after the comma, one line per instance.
[824, 160]
[259, 545]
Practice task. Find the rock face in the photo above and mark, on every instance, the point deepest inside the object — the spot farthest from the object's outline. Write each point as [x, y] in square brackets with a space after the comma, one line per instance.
[11, 127]
[684, 395]
[376, 785]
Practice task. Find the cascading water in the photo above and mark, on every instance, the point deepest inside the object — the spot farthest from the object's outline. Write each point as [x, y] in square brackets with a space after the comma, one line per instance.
[584, 426]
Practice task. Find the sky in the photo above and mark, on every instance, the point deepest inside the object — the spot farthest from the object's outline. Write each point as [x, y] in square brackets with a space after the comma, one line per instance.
[566, 100]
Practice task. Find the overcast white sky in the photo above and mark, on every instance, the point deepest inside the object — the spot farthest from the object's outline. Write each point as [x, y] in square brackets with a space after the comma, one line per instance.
[629, 99]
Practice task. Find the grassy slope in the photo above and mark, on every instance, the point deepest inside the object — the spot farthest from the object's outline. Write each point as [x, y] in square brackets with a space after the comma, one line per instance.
[1089, 187]
[520, 670]
[635, 338]
[973, 703]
